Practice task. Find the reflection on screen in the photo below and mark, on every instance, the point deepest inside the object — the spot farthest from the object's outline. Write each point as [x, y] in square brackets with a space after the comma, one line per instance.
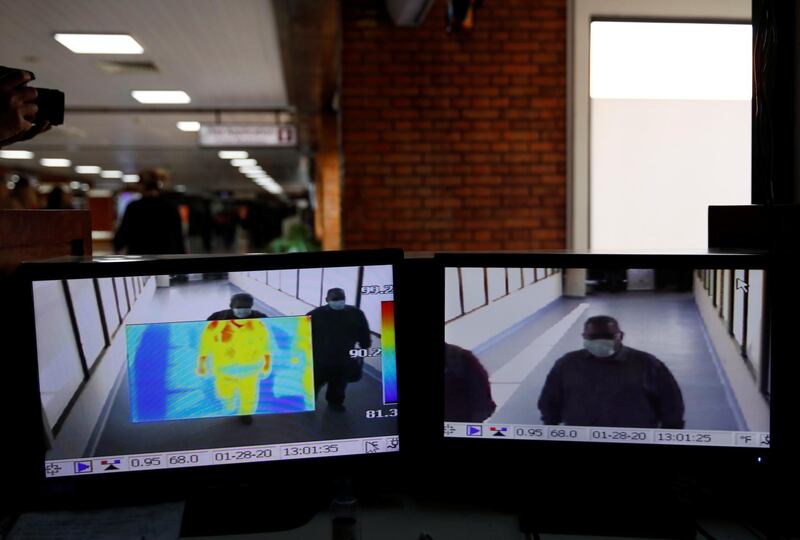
[660, 356]
[148, 372]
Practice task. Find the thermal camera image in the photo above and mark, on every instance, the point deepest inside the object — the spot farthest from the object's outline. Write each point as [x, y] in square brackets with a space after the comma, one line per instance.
[220, 368]
[179, 362]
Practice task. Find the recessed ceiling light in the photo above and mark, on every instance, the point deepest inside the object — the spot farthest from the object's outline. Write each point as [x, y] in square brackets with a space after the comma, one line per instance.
[275, 189]
[16, 154]
[255, 175]
[87, 169]
[74, 185]
[55, 162]
[161, 96]
[100, 43]
[243, 162]
[250, 168]
[130, 178]
[111, 174]
[233, 154]
[189, 126]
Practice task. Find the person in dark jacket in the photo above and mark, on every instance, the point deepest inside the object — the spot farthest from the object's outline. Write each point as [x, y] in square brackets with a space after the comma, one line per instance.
[151, 225]
[467, 392]
[611, 385]
[336, 329]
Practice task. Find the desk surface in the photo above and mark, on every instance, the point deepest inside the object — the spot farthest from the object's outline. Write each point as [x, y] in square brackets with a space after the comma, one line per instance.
[406, 520]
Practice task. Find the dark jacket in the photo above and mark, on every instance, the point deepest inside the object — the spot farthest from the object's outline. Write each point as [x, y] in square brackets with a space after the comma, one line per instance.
[334, 333]
[150, 226]
[467, 393]
[630, 389]
[227, 314]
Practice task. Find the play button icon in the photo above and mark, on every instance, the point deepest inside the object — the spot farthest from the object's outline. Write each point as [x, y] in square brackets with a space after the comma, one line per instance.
[474, 431]
[83, 467]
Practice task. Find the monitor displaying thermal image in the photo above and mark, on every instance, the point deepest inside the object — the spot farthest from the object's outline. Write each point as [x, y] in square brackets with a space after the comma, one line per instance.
[668, 356]
[141, 372]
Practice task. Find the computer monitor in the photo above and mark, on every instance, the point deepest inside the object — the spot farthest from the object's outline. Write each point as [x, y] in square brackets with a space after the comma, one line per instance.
[184, 363]
[616, 352]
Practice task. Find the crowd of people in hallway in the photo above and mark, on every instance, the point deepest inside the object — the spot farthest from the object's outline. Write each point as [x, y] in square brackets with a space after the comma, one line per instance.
[161, 221]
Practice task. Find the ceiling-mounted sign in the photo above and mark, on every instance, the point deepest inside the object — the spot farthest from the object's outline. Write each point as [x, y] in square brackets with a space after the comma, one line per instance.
[283, 135]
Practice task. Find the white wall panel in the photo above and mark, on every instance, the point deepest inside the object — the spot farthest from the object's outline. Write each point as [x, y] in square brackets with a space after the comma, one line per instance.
[60, 371]
[311, 286]
[87, 314]
[474, 288]
[109, 303]
[289, 282]
[497, 283]
[452, 294]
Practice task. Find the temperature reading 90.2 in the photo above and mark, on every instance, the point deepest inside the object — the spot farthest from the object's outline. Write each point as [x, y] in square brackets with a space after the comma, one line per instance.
[365, 353]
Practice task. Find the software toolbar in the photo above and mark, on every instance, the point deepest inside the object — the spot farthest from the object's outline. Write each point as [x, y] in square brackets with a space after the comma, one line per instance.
[747, 439]
[220, 456]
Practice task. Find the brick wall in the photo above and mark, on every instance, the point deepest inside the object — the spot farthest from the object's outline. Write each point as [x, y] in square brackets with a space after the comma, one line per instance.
[455, 141]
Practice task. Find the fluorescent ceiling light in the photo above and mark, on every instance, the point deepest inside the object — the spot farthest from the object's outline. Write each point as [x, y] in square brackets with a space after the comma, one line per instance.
[161, 96]
[55, 162]
[189, 126]
[257, 175]
[87, 169]
[243, 162]
[250, 168]
[16, 154]
[275, 190]
[111, 174]
[74, 185]
[100, 43]
[233, 154]
[130, 178]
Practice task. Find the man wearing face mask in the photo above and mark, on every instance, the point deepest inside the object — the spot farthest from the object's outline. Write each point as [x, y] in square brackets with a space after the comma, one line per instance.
[336, 329]
[239, 350]
[610, 385]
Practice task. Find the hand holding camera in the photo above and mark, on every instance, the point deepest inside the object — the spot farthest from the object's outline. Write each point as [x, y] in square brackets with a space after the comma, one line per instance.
[26, 111]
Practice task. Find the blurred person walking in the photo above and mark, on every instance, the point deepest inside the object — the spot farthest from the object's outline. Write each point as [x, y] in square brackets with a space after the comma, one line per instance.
[59, 199]
[151, 225]
[23, 195]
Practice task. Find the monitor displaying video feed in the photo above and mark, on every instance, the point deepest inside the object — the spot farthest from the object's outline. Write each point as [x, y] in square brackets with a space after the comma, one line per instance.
[662, 356]
[157, 371]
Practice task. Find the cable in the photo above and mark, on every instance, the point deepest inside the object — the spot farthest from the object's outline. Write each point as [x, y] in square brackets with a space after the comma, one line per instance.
[704, 533]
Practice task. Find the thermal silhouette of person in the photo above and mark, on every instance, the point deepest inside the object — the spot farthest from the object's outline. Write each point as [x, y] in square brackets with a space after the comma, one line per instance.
[238, 344]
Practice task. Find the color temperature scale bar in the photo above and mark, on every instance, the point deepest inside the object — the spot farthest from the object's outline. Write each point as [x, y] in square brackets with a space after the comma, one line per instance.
[389, 353]
[220, 456]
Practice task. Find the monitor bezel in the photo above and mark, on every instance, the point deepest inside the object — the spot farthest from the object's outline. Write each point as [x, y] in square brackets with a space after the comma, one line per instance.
[177, 483]
[590, 455]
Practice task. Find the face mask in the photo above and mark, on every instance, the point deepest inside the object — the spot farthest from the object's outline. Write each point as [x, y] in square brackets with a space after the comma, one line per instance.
[601, 348]
[338, 305]
[241, 313]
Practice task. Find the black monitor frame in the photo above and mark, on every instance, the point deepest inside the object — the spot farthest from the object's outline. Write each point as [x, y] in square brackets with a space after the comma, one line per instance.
[591, 457]
[172, 484]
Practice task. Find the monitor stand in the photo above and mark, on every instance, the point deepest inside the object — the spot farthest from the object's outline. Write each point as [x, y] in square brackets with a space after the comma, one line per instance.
[243, 509]
[609, 510]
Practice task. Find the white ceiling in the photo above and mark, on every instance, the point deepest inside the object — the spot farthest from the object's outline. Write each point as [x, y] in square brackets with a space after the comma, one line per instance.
[224, 54]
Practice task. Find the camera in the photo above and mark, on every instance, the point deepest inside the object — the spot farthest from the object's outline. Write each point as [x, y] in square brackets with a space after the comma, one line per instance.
[49, 101]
